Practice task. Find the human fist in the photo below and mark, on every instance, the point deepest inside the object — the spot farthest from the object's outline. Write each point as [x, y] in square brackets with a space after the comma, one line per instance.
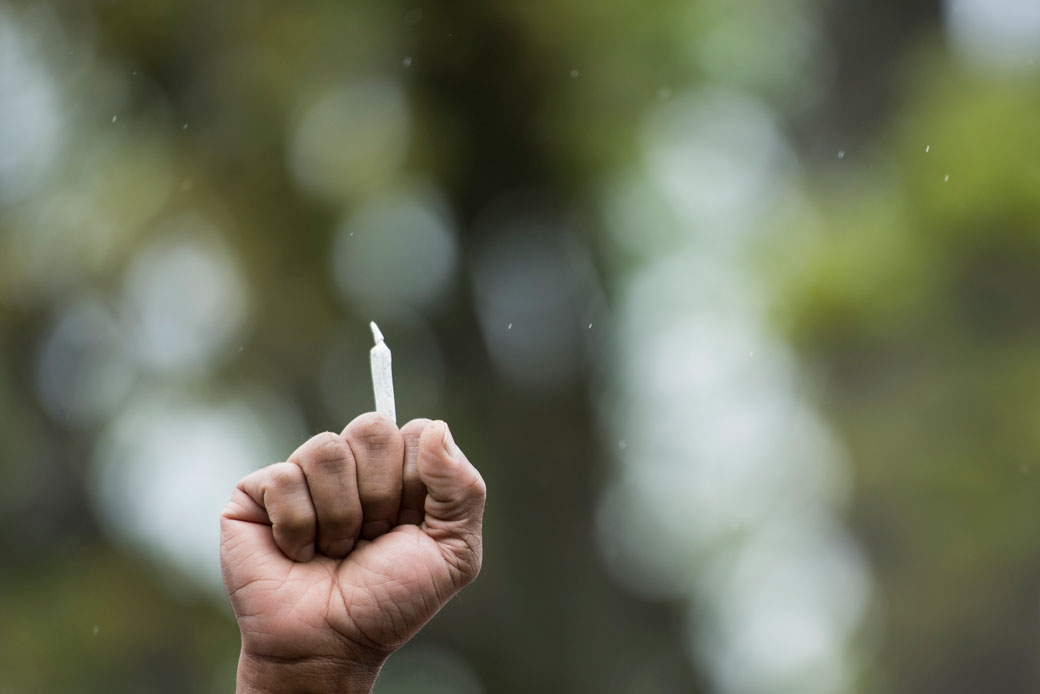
[336, 558]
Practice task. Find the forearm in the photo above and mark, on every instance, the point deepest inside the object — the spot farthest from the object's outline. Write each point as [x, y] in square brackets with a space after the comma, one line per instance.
[313, 676]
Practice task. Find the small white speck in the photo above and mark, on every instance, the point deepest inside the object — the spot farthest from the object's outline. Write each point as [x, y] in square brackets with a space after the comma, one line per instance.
[621, 444]
[184, 127]
[97, 630]
[134, 73]
[509, 327]
[841, 154]
[407, 62]
[947, 178]
[350, 234]
[927, 148]
[590, 326]
[115, 118]
[751, 354]
[574, 73]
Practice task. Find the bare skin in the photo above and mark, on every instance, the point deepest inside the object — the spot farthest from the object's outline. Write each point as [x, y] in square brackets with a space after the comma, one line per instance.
[337, 557]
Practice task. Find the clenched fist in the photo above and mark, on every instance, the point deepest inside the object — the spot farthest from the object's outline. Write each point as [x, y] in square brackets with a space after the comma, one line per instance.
[336, 558]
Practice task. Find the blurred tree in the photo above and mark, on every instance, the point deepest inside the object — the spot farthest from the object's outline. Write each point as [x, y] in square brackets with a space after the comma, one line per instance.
[913, 295]
[907, 277]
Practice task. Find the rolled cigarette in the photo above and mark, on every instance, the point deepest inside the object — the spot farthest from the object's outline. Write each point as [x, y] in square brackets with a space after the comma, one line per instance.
[382, 375]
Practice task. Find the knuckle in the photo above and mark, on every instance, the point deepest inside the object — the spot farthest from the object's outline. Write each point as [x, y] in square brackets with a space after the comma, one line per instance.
[374, 431]
[284, 476]
[414, 428]
[329, 465]
[327, 440]
[324, 452]
[333, 462]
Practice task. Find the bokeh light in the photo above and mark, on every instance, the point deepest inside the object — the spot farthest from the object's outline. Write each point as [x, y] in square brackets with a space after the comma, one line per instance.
[31, 138]
[165, 467]
[1000, 35]
[351, 140]
[183, 299]
[721, 447]
[84, 370]
[396, 253]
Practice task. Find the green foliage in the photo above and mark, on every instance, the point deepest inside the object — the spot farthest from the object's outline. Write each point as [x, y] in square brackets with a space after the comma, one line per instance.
[916, 298]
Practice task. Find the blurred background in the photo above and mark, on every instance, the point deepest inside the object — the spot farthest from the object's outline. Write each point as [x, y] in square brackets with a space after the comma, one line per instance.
[736, 305]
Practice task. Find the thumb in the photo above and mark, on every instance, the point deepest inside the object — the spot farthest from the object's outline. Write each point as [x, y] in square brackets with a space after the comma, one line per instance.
[455, 494]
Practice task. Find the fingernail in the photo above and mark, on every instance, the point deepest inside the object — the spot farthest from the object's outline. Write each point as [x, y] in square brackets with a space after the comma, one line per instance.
[306, 553]
[374, 529]
[341, 548]
[450, 447]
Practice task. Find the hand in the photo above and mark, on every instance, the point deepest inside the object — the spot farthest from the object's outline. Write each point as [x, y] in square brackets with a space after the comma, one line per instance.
[336, 558]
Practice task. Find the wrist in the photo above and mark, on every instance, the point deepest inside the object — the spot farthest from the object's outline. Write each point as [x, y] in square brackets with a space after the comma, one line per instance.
[264, 675]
